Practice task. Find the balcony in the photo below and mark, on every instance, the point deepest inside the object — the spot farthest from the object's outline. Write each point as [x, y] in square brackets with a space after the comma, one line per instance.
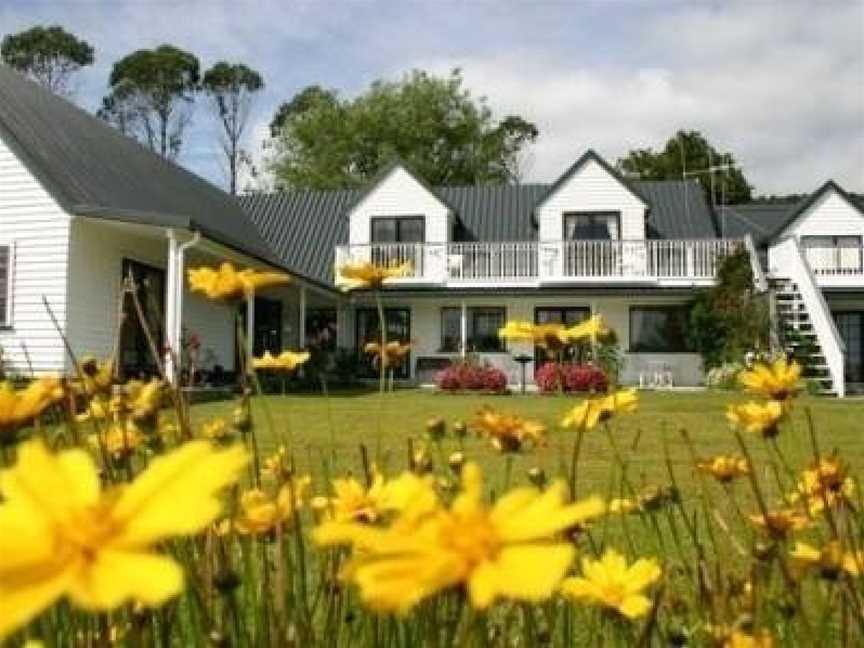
[532, 263]
[836, 265]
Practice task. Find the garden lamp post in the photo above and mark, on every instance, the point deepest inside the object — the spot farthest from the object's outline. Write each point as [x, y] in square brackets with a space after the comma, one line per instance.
[523, 360]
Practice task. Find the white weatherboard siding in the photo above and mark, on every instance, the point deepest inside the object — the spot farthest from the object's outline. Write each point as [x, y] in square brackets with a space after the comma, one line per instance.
[686, 368]
[830, 215]
[591, 189]
[38, 229]
[96, 267]
[399, 194]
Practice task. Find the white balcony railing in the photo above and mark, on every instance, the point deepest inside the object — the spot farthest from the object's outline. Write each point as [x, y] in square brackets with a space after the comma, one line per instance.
[835, 260]
[522, 262]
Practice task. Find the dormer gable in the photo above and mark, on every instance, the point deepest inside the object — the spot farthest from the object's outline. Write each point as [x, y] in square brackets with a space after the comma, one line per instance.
[828, 211]
[399, 204]
[591, 189]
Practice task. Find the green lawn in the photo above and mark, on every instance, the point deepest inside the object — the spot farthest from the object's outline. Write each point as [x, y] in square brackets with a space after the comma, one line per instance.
[328, 431]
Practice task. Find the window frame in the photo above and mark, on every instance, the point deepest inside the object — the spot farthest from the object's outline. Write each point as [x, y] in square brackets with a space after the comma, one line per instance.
[442, 347]
[657, 308]
[592, 215]
[471, 312]
[6, 315]
[398, 220]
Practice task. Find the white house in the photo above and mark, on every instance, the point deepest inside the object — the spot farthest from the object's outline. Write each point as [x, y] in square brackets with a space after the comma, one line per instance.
[81, 207]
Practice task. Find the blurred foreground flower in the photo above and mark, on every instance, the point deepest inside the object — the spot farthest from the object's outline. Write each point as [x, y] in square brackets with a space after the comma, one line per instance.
[229, 283]
[778, 381]
[394, 353]
[592, 411]
[365, 274]
[62, 535]
[260, 513]
[285, 361]
[511, 550]
[758, 418]
[22, 407]
[611, 583]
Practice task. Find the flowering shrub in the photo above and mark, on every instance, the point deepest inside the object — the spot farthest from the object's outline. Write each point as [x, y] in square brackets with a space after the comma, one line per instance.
[725, 376]
[468, 376]
[572, 378]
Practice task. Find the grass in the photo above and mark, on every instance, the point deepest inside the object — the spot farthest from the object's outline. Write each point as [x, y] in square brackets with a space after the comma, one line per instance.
[330, 429]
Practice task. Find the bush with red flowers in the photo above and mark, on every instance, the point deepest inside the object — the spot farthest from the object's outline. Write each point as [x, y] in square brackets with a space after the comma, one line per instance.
[469, 376]
[552, 377]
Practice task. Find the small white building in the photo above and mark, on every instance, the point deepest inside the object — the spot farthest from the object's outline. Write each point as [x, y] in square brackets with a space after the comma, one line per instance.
[82, 207]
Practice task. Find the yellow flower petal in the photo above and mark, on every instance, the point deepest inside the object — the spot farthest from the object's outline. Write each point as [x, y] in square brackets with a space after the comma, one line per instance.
[21, 603]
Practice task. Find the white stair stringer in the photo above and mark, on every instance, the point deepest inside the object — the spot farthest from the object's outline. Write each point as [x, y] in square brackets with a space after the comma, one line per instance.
[806, 310]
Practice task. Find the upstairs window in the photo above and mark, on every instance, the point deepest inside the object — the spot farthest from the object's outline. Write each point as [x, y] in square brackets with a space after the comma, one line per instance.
[398, 229]
[5, 285]
[592, 226]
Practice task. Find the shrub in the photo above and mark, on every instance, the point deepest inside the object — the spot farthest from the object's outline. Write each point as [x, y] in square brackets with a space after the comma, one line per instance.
[468, 376]
[724, 376]
[572, 378]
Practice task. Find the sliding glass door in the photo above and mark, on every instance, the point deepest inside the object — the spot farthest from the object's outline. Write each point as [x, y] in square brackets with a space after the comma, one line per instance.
[850, 325]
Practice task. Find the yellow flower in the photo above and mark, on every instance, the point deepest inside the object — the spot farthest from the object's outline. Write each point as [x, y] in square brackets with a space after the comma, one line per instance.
[21, 407]
[830, 561]
[394, 352]
[97, 376]
[611, 583]
[276, 465]
[119, 440]
[623, 505]
[518, 331]
[285, 361]
[779, 524]
[592, 411]
[758, 418]
[508, 432]
[511, 550]
[778, 381]
[143, 400]
[229, 283]
[216, 430]
[724, 468]
[261, 514]
[365, 274]
[725, 637]
[824, 483]
[63, 536]
[594, 328]
[549, 336]
[355, 502]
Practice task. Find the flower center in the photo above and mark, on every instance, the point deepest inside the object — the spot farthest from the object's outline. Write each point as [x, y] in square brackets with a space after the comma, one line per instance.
[472, 536]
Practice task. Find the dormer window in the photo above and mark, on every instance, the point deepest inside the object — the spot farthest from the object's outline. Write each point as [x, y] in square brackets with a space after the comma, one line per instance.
[398, 229]
[592, 226]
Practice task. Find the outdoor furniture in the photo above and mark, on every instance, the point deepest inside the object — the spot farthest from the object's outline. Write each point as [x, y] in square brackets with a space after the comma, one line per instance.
[657, 374]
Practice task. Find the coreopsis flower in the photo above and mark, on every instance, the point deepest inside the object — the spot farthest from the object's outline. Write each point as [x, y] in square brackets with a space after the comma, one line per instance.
[550, 336]
[825, 483]
[623, 505]
[261, 513]
[726, 637]
[216, 430]
[119, 440]
[594, 328]
[97, 376]
[285, 361]
[508, 432]
[511, 550]
[780, 524]
[758, 418]
[592, 411]
[275, 466]
[229, 283]
[394, 353]
[724, 468]
[143, 400]
[365, 274]
[611, 583]
[64, 535]
[354, 502]
[20, 407]
[779, 381]
[830, 561]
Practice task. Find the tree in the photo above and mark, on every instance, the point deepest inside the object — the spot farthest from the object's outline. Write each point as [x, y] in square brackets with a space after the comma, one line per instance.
[151, 97]
[690, 151]
[433, 123]
[48, 55]
[232, 89]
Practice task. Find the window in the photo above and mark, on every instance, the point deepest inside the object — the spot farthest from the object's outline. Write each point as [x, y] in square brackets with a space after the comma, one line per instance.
[483, 325]
[400, 229]
[5, 285]
[659, 329]
[594, 226]
[398, 328]
[321, 329]
[566, 315]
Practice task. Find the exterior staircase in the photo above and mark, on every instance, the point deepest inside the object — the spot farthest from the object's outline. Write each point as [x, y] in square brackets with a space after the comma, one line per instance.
[797, 335]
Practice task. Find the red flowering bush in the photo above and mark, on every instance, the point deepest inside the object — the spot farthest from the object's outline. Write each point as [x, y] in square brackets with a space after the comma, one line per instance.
[467, 376]
[574, 378]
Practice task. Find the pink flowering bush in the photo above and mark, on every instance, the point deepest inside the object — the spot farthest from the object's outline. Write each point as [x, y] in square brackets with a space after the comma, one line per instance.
[467, 376]
[573, 377]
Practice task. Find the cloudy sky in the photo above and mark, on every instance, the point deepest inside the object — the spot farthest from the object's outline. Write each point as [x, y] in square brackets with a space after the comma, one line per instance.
[780, 83]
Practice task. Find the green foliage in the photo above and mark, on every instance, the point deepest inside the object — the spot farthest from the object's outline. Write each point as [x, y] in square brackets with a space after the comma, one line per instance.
[151, 96]
[729, 319]
[232, 87]
[48, 55]
[433, 123]
[690, 151]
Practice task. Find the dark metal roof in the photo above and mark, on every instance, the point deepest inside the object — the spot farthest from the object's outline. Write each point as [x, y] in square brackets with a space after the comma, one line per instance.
[93, 170]
[304, 227]
[760, 220]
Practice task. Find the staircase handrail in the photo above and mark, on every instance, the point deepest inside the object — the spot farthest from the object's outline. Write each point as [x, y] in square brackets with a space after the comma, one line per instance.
[759, 278]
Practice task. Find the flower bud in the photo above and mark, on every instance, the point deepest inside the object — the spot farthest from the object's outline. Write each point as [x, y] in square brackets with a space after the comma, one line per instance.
[456, 461]
[436, 428]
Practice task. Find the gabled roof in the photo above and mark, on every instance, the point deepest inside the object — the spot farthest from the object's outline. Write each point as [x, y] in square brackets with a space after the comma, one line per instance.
[304, 227]
[589, 156]
[805, 204]
[93, 170]
[395, 163]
